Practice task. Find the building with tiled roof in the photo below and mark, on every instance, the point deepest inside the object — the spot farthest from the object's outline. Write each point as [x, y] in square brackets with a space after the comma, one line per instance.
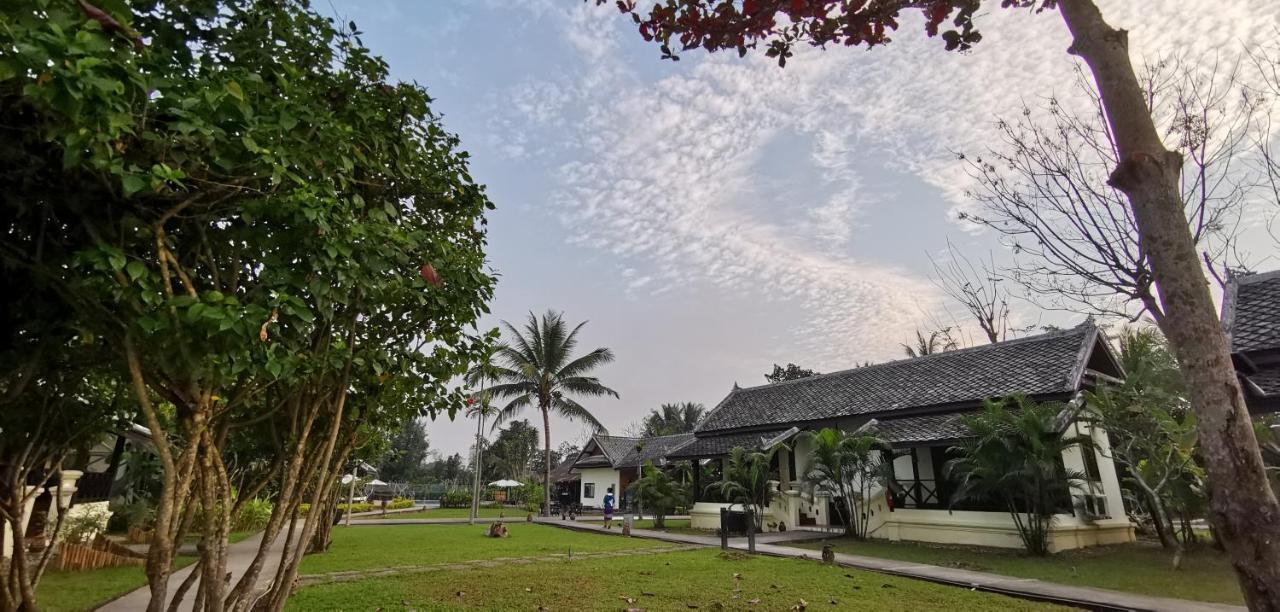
[615, 461]
[1251, 319]
[918, 408]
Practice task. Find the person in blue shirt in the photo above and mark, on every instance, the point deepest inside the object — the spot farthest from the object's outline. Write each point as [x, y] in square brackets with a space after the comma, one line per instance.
[608, 509]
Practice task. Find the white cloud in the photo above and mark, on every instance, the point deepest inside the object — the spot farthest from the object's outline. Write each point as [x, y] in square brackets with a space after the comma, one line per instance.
[666, 173]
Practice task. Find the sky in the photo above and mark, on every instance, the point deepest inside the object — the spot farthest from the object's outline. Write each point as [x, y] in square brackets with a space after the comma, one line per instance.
[713, 216]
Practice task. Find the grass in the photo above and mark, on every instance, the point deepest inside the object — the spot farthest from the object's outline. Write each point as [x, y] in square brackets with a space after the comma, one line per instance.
[67, 591]
[61, 591]
[375, 546]
[670, 581]
[680, 526]
[1142, 567]
[454, 513]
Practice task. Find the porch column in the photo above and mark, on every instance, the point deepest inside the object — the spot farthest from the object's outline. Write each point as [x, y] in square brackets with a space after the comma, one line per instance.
[697, 480]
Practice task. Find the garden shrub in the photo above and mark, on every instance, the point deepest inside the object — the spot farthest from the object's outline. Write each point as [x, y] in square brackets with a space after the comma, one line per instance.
[457, 498]
[83, 523]
[400, 503]
[253, 516]
[493, 505]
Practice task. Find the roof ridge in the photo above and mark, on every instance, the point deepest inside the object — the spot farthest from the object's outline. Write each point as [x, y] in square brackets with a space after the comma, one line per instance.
[1082, 328]
[1256, 277]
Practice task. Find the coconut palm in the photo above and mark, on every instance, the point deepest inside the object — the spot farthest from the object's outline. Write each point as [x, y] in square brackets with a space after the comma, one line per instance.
[540, 369]
[1014, 458]
[936, 342]
[673, 419]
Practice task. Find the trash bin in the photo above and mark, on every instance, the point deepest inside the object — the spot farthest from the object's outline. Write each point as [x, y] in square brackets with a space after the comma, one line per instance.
[733, 522]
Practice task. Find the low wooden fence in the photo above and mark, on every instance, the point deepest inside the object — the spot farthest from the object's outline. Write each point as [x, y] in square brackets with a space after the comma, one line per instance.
[77, 557]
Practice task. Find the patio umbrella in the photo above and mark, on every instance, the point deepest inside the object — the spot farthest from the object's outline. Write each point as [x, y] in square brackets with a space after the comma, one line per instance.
[506, 483]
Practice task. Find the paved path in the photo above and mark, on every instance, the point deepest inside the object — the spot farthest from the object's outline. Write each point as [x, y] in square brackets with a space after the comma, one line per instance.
[774, 544]
[239, 556]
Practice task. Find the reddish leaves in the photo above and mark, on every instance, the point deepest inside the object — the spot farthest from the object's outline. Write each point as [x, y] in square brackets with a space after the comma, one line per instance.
[430, 275]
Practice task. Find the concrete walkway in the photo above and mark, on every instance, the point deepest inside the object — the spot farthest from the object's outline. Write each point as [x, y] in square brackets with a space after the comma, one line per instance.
[239, 556]
[774, 544]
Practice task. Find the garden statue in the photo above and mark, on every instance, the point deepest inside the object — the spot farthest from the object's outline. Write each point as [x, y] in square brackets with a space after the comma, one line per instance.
[497, 530]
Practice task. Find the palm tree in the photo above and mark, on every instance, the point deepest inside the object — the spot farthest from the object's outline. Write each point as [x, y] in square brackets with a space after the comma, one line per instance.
[673, 419]
[936, 342]
[746, 480]
[540, 370]
[659, 493]
[1014, 457]
[849, 466]
[480, 405]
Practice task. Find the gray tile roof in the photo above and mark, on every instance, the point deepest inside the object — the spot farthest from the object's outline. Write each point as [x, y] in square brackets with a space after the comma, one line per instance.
[713, 446]
[655, 449]
[622, 451]
[1268, 381]
[920, 429]
[1251, 312]
[1035, 365]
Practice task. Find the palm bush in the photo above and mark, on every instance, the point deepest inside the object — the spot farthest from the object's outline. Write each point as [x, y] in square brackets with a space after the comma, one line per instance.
[540, 370]
[659, 493]
[848, 466]
[1014, 458]
[746, 480]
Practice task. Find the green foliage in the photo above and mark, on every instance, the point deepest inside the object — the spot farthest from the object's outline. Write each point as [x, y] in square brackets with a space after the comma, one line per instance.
[1014, 458]
[252, 515]
[746, 480]
[1152, 432]
[849, 466]
[406, 460]
[791, 372]
[659, 494]
[400, 503]
[456, 498]
[510, 455]
[671, 419]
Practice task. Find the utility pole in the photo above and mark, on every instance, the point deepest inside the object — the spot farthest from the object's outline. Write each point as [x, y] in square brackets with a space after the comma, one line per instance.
[479, 465]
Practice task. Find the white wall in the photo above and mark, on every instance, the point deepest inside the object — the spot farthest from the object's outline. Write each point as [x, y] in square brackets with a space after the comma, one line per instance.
[602, 478]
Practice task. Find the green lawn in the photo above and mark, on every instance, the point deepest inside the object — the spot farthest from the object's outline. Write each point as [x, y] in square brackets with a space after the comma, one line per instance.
[669, 581]
[374, 546]
[453, 513]
[1141, 567]
[680, 526]
[86, 590]
[67, 591]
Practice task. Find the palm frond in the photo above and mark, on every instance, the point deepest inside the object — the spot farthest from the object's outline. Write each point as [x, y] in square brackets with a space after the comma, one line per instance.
[509, 411]
[574, 411]
[586, 385]
[586, 363]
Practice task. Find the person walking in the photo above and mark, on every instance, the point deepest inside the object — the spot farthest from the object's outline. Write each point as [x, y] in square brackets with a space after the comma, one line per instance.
[608, 509]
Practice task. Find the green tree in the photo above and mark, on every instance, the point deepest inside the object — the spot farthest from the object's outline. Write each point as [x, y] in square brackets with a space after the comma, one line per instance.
[406, 460]
[848, 465]
[791, 372]
[1151, 429]
[1146, 172]
[659, 494]
[253, 266]
[672, 419]
[745, 480]
[512, 453]
[1014, 457]
[541, 370]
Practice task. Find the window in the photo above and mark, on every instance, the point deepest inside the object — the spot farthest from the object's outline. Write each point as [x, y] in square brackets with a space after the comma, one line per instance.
[588, 490]
[1091, 470]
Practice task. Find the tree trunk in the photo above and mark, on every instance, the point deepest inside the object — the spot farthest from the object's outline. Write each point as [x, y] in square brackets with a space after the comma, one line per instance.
[1243, 507]
[475, 484]
[546, 468]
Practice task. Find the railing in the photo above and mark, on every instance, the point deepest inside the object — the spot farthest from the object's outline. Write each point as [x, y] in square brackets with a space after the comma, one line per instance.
[921, 494]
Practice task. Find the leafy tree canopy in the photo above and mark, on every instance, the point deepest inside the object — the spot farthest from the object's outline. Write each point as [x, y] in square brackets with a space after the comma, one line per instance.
[791, 372]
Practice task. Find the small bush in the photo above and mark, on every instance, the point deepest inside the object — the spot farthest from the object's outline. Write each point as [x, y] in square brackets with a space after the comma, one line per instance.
[304, 508]
[493, 505]
[532, 507]
[400, 503]
[83, 523]
[253, 515]
[457, 498]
